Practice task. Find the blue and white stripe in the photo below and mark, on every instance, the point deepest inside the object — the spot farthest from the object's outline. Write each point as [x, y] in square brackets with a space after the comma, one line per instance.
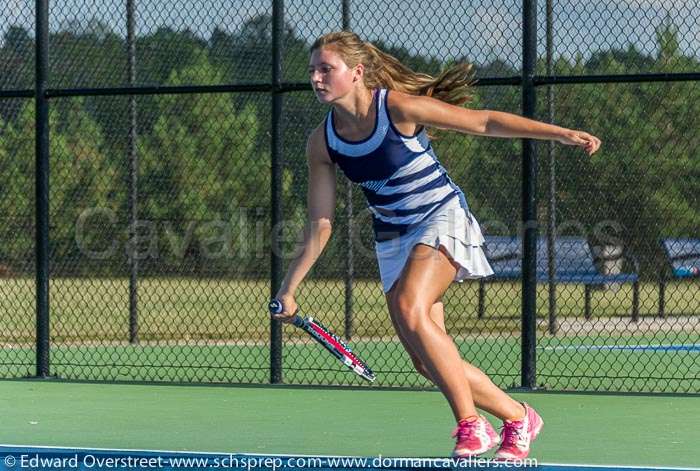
[399, 175]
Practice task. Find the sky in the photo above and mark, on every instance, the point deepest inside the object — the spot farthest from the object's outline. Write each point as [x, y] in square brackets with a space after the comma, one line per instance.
[479, 30]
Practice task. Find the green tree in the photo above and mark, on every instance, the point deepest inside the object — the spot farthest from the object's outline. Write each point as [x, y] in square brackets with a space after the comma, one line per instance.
[198, 166]
[16, 59]
[81, 178]
[87, 54]
[638, 183]
[16, 201]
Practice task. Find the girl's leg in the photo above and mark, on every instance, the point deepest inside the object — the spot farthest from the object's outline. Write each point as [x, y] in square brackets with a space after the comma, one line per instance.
[487, 396]
[427, 275]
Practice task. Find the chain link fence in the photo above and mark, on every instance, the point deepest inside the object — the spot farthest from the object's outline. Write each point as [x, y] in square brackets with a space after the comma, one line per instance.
[161, 144]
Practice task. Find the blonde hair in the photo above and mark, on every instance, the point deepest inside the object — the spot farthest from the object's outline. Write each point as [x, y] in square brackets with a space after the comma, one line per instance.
[382, 70]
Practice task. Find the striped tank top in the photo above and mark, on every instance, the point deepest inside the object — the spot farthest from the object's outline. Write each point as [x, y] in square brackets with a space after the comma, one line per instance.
[400, 175]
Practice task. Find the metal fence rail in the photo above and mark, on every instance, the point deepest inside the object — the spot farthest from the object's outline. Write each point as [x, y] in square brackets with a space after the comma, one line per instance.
[166, 151]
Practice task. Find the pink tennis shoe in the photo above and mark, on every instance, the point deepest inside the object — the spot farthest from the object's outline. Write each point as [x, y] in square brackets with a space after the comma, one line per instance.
[474, 437]
[517, 435]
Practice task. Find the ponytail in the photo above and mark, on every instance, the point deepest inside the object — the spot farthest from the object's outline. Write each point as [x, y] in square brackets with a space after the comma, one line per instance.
[382, 70]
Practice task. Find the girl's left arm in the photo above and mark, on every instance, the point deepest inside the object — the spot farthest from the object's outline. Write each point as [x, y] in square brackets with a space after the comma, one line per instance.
[430, 112]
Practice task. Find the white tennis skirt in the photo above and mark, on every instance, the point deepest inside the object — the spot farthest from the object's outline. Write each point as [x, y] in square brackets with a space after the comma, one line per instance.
[450, 227]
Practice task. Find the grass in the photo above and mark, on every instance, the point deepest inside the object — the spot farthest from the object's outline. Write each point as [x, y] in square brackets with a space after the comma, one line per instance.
[85, 310]
[218, 331]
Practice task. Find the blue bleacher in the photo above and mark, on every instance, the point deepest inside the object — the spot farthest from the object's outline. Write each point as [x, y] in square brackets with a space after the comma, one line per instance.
[683, 257]
[574, 263]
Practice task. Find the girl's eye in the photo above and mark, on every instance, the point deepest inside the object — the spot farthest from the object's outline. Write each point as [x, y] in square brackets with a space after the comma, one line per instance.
[323, 70]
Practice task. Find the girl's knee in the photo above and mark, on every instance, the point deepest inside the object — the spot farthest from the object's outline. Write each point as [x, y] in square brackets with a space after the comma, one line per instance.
[409, 314]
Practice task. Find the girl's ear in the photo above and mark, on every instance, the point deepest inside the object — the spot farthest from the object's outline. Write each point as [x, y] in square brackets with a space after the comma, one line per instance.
[358, 72]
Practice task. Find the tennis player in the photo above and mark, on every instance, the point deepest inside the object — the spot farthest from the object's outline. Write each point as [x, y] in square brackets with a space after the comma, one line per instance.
[425, 235]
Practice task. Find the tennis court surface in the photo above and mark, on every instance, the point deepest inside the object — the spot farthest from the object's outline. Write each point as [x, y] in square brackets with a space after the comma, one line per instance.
[103, 426]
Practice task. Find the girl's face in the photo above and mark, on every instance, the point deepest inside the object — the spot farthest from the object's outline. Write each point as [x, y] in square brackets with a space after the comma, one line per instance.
[330, 76]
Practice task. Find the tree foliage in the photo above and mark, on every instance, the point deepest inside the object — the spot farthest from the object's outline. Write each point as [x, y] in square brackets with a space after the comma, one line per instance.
[205, 158]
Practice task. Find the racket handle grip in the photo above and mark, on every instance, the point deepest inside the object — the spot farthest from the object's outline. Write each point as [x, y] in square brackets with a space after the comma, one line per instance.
[275, 307]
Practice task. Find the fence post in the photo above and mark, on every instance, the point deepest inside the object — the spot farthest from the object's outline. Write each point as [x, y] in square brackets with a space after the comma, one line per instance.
[552, 207]
[349, 255]
[529, 202]
[346, 15]
[133, 174]
[276, 190]
[42, 189]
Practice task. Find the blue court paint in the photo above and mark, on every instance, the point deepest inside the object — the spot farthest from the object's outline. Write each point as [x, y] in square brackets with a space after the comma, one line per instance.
[15, 457]
[650, 348]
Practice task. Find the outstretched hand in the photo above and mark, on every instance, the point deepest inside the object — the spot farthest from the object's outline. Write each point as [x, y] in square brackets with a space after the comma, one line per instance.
[588, 142]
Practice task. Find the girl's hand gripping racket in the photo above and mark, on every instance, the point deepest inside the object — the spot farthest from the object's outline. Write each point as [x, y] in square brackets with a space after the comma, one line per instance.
[330, 341]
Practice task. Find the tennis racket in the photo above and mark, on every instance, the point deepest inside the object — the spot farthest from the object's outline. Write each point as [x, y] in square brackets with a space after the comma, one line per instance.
[329, 340]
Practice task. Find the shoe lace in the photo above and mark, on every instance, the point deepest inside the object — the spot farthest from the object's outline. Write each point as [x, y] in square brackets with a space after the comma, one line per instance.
[512, 433]
[464, 429]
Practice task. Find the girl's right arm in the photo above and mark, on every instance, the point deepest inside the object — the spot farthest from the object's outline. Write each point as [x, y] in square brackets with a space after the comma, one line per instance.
[320, 208]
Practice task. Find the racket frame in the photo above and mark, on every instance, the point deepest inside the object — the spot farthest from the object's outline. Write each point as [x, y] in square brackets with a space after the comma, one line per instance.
[331, 342]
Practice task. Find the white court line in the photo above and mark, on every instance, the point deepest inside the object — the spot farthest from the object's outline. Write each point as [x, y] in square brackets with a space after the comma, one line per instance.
[681, 347]
[138, 450]
[560, 465]
[617, 466]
